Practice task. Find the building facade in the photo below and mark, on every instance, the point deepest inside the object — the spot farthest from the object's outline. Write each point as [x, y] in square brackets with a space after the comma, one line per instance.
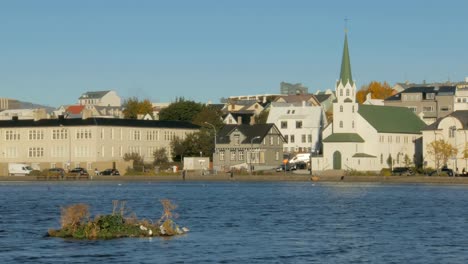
[300, 124]
[88, 143]
[100, 98]
[257, 146]
[453, 129]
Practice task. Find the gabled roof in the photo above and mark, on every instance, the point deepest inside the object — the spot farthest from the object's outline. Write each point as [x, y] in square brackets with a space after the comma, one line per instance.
[295, 98]
[75, 109]
[461, 115]
[322, 97]
[93, 95]
[249, 131]
[392, 119]
[344, 137]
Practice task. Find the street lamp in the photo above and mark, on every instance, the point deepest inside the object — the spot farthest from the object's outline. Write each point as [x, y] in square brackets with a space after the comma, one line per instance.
[251, 151]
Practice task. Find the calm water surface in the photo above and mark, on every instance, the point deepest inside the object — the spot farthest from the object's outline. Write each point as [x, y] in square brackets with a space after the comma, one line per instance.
[234, 222]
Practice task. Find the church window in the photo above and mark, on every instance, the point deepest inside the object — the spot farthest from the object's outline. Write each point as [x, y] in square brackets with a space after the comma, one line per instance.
[353, 109]
[341, 92]
[347, 92]
[298, 124]
[352, 124]
[341, 108]
[381, 158]
[341, 124]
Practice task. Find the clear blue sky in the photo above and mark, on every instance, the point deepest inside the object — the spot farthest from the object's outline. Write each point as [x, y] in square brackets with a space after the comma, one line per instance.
[53, 51]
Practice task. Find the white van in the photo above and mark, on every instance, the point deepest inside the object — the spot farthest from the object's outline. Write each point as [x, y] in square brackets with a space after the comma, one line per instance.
[301, 157]
[19, 169]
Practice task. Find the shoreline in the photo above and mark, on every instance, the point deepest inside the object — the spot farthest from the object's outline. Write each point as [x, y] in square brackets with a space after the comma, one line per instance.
[196, 177]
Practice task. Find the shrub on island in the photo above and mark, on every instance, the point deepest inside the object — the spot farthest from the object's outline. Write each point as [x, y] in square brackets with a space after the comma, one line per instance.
[77, 223]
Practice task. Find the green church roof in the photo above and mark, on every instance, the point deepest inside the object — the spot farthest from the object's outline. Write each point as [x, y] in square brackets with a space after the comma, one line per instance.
[344, 137]
[392, 119]
[345, 74]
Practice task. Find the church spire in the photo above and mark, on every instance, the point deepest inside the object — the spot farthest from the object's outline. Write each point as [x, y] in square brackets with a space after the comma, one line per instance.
[345, 74]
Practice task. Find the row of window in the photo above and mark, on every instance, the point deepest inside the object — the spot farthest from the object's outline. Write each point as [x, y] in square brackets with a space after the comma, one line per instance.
[397, 139]
[304, 138]
[78, 151]
[444, 108]
[239, 155]
[284, 124]
[60, 134]
[348, 92]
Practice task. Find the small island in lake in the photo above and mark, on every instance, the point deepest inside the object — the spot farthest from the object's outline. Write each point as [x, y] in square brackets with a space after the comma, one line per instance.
[77, 223]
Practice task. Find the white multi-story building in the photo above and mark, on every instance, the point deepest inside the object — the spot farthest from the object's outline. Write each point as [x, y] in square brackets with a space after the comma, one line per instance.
[300, 124]
[88, 143]
[100, 98]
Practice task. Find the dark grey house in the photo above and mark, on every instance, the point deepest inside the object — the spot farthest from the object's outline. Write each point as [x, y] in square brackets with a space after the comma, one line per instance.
[258, 147]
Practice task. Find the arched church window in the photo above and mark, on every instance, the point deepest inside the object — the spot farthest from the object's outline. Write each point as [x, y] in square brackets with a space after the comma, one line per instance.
[341, 124]
[353, 108]
[341, 108]
[347, 92]
[352, 124]
[341, 92]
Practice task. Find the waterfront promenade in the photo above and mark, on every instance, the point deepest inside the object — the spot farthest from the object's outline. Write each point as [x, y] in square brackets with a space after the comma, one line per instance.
[196, 176]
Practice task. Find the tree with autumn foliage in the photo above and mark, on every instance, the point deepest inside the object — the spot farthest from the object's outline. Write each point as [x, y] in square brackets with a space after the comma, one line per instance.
[440, 151]
[134, 107]
[376, 89]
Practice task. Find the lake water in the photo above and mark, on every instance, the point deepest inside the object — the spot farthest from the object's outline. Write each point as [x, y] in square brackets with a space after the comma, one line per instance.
[232, 222]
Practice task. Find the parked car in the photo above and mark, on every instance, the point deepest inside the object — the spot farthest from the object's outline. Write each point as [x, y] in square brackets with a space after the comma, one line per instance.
[111, 172]
[402, 171]
[57, 171]
[288, 167]
[445, 170]
[80, 171]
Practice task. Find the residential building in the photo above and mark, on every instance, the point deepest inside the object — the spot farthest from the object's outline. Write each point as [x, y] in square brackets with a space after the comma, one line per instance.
[38, 113]
[293, 89]
[461, 99]
[428, 102]
[100, 98]
[258, 146]
[326, 99]
[298, 98]
[300, 124]
[453, 129]
[241, 112]
[89, 143]
[367, 137]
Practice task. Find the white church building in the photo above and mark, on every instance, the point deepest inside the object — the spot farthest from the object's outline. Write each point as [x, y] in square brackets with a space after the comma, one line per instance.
[367, 137]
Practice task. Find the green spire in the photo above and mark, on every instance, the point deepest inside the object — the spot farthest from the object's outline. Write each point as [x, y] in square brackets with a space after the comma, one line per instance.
[345, 74]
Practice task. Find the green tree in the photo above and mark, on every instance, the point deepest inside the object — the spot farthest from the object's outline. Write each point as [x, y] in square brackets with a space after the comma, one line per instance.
[407, 160]
[208, 114]
[390, 161]
[160, 157]
[192, 145]
[262, 117]
[137, 160]
[134, 107]
[181, 110]
[440, 151]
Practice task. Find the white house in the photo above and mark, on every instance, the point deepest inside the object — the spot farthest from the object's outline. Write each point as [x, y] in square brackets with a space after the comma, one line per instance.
[454, 130]
[367, 137]
[300, 124]
[100, 98]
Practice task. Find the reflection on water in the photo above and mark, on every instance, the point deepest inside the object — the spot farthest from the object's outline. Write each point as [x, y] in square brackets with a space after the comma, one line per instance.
[246, 223]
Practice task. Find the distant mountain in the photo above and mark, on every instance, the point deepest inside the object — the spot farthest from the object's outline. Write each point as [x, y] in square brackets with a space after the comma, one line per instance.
[28, 105]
